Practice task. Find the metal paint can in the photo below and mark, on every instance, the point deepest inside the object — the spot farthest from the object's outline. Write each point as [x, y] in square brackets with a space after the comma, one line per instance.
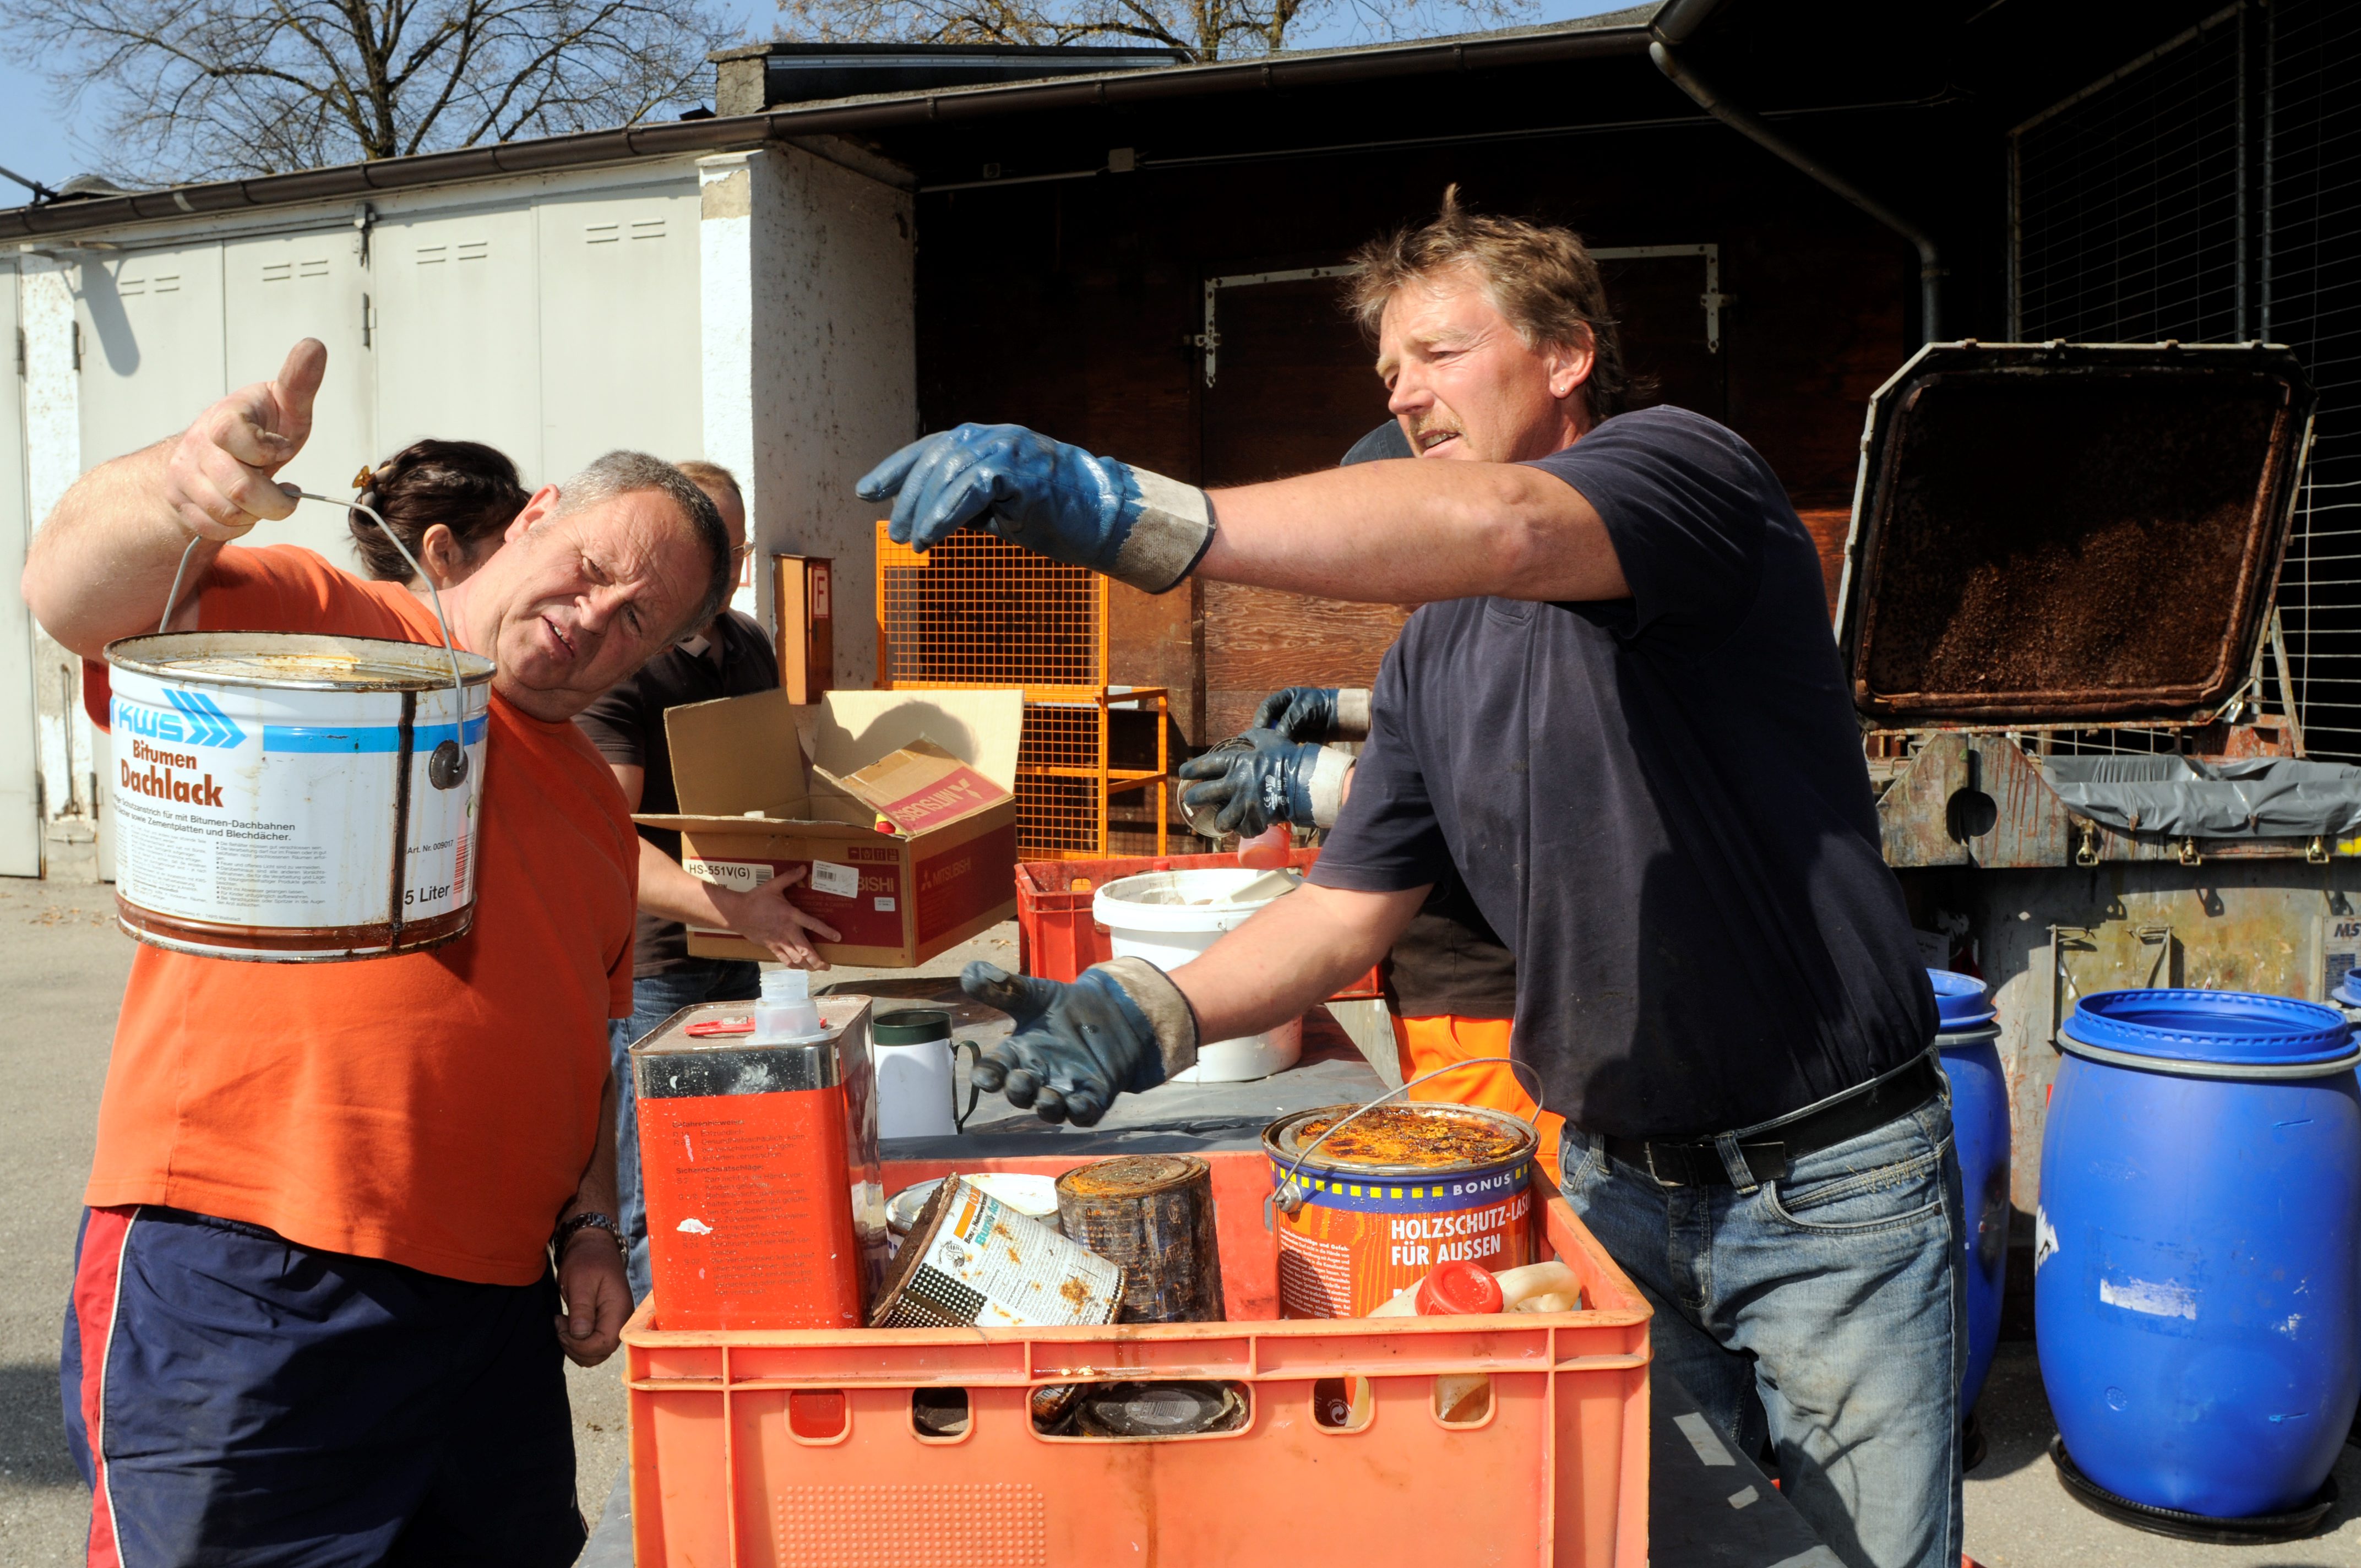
[288, 797]
[1420, 1184]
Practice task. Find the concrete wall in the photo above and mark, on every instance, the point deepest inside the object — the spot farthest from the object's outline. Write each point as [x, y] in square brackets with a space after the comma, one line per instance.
[20, 795]
[810, 357]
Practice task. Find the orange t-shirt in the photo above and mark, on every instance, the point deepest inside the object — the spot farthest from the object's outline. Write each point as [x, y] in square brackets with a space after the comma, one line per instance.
[435, 1109]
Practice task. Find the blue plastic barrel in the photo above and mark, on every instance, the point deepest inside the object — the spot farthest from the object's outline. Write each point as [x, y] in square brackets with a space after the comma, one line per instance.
[2197, 1266]
[1968, 1043]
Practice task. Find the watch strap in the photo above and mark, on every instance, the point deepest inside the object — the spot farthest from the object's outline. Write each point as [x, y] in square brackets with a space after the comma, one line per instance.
[588, 1220]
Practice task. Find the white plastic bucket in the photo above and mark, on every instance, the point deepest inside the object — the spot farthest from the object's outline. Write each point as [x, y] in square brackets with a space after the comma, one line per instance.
[277, 796]
[1169, 917]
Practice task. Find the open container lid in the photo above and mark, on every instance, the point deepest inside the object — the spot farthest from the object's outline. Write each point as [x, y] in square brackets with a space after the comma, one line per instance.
[2231, 1032]
[2047, 533]
[1961, 1001]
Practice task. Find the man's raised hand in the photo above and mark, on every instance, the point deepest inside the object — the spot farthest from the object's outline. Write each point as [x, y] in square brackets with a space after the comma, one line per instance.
[219, 476]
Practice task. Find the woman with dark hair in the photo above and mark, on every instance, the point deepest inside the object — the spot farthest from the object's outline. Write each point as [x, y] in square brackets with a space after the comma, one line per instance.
[450, 501]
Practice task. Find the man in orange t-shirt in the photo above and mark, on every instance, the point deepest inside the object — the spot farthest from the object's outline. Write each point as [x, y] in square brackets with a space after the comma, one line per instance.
[313, 1294]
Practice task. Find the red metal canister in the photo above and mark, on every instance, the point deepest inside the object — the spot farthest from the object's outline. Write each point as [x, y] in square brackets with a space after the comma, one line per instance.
[760, 1163]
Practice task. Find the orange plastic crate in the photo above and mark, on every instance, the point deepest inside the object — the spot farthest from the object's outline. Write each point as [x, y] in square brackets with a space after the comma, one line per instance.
[796, 1448]
[1057, 938]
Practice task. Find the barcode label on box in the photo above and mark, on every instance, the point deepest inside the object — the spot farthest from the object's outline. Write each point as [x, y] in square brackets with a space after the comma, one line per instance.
[842, 881]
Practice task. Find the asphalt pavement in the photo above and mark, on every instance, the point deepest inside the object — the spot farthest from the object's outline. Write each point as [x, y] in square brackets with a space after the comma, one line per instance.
[62, 966]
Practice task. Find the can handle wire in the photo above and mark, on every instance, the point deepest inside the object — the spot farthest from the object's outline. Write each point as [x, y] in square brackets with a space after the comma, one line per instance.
[446, 766]
[1289, 1196]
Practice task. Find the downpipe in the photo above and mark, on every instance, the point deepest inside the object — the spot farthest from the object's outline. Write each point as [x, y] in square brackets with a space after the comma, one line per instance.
[1683, 76]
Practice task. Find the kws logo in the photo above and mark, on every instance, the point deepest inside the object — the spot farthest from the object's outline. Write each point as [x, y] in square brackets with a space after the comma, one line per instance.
[199, 721]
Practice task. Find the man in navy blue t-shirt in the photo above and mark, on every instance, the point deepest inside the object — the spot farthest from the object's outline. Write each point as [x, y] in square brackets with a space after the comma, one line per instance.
[1620, 718]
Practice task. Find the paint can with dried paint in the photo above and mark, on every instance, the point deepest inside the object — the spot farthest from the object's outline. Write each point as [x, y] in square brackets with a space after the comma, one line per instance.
[296, 798]
[1367, 1200]
[1154, 1215]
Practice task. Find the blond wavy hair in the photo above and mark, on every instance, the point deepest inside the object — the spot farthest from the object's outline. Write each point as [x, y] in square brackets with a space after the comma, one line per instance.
[1541, 277]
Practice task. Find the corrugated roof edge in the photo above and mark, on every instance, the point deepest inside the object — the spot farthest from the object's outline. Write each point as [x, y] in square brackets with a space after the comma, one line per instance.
[1594, 36]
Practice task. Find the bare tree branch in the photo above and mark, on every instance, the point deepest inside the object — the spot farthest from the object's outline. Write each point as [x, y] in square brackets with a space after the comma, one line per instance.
[196, 89]
[1207, 30]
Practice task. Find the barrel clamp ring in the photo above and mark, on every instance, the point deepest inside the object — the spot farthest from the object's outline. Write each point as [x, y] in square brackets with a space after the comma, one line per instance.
[2176, 1067]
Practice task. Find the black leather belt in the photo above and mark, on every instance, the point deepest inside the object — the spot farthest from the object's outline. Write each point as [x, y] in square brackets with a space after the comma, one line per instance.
[1768, 1151]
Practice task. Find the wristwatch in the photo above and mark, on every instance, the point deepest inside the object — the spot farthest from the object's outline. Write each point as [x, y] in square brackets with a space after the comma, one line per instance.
[587, 1220]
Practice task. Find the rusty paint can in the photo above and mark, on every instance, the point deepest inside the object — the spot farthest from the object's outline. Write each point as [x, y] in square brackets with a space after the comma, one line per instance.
[1153, 1213]
[1391, 1194]
[296, 798]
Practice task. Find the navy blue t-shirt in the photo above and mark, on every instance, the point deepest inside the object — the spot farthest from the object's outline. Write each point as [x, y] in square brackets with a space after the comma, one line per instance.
[1660, 802]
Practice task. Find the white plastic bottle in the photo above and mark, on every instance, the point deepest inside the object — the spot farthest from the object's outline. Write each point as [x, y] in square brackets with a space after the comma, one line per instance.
[786, 1014]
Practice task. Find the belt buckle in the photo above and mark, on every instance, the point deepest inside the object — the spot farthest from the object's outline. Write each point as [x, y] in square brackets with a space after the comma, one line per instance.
[1648, 1148]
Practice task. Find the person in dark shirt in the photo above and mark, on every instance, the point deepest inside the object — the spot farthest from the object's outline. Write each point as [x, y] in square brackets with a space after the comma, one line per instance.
[1450, 983]
[728, 658]
[1620, 718]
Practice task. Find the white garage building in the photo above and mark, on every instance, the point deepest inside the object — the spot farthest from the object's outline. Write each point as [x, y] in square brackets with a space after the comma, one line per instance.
[750, 307]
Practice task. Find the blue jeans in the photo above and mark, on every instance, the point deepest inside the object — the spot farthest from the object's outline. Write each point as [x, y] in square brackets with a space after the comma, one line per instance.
[1827, 1306]
[654, 998]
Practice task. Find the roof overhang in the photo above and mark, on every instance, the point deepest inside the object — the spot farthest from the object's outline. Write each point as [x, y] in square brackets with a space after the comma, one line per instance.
[1616, 34]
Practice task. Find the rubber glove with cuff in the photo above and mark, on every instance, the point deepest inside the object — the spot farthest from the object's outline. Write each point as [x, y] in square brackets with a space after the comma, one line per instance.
[1262, 777]
[1119, 1028]
[1052, 499]
[1316, 713]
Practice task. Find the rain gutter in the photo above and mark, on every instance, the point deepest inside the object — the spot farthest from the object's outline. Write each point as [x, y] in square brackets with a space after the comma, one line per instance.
[850, 116]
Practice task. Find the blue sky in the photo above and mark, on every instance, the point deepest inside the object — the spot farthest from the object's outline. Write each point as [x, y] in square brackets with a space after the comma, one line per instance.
[35, 140]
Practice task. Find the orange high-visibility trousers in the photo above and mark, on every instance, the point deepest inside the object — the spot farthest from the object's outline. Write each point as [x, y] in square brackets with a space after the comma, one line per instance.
[1422, 1044]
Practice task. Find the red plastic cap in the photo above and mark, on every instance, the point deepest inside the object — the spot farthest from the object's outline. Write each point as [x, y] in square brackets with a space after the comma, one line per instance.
[1267, 851]
[1459, 1288]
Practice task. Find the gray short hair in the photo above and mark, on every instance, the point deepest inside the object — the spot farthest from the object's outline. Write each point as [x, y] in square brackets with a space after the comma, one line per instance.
[620, 474]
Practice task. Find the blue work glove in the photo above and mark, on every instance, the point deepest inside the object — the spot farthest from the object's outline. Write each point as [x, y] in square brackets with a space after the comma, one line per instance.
[1249, 787]
[1052, 499]
[1121, 1026]
[1316, 713]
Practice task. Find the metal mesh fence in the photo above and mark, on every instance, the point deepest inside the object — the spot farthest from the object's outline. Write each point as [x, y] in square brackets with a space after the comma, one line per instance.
[2311, 300]
[2210, 190]
[2127, 209]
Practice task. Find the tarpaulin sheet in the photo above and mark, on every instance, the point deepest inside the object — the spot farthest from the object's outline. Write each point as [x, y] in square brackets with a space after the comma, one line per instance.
[2259, 797]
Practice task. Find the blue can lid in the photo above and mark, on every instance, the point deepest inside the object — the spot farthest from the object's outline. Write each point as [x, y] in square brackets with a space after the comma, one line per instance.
[2231, 1028]
[2348, 990]
[1960, 1000]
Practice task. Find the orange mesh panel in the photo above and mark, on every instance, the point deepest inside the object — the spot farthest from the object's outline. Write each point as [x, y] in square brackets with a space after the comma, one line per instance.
[976, 610]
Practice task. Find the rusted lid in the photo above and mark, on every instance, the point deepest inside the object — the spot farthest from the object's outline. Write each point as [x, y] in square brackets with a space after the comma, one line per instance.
[2051, 532]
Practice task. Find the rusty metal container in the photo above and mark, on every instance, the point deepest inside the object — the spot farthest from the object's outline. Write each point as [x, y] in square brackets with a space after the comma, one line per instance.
[2049, 541]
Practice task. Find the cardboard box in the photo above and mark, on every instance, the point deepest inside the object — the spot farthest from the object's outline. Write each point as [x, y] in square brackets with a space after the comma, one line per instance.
[941, 764]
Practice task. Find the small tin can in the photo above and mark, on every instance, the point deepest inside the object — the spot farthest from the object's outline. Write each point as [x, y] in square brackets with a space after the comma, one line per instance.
[1387, 1197]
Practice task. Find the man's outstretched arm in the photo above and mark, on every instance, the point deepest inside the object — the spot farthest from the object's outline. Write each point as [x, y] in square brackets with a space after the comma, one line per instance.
[1389, 533]
[1411, 531]
[103, 563]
